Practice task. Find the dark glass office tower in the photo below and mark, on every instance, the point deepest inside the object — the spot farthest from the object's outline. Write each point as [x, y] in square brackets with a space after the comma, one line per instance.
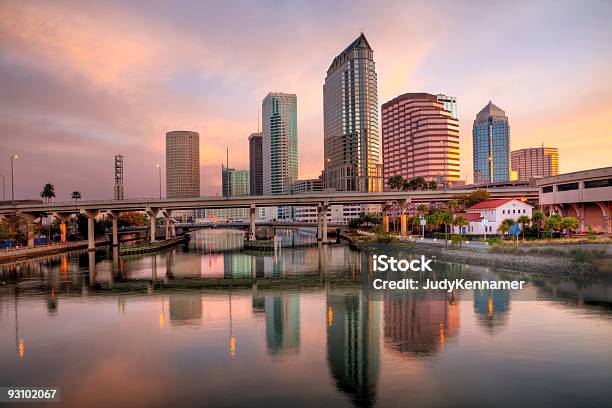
[491, 137]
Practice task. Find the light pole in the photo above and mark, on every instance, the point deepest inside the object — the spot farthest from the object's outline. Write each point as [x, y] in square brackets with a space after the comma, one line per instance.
[13, 157]
[3, 188]
[159, 174]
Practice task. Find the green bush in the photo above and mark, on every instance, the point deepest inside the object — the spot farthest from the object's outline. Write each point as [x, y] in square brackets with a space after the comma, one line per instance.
[456, 239]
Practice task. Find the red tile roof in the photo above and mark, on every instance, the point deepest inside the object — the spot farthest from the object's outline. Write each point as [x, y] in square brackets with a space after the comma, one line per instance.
[469, 216]
[485, 205]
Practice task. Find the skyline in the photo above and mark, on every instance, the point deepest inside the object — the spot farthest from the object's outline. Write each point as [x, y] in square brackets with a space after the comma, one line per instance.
[147, 75]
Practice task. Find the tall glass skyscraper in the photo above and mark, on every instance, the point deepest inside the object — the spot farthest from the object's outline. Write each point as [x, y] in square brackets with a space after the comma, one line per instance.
[279, 145]
[491, 142]
[350, 117]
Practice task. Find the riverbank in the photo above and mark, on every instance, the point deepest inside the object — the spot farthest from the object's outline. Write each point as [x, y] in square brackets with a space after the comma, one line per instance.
[571, 260]
[53, 249]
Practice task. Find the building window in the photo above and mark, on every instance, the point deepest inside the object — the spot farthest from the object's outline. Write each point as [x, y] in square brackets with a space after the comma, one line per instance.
[598, 183]
[547, 189]
[567, 187]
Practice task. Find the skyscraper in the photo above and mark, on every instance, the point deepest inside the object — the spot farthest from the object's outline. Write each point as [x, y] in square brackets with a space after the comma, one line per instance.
[420, 139]
[350, 114]
[450, 104]
[535, 162]
[182, 164]
[279, 142]
[234, 182]
[256, 164]
[491, 143]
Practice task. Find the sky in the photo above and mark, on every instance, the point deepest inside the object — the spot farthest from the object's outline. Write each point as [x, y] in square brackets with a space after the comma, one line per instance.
[83, 81]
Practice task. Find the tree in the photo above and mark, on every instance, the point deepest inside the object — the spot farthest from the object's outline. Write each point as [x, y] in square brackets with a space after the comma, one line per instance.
[433, 220]
[396, 182]
[419, 183]
[460, 222]
[423, 209]
[446, 218]
[132, 219]
[523, 220]
[76, 196]
[536, 218]
[569, 224]
[48, 192]
[505, 226]
[553, 222]
[433, 185]
[454, 206]
[475, 197]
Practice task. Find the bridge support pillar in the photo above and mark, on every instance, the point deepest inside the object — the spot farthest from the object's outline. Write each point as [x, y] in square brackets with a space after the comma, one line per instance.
[402, 204]
[319, 223]
[324, 222]
[29, 219]
[152, 213]
[91, 217]
[607, 216]
[114, 216]
[169, 222]
[62, 218]
[252, 226]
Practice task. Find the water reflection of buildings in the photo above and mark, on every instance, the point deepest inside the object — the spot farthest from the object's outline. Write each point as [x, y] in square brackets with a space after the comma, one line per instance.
[353, 345]
[185, 309]
[492, 306]
[282, 316]
[420, 326]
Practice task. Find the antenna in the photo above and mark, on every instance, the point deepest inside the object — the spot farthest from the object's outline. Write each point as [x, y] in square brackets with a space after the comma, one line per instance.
[258, 120]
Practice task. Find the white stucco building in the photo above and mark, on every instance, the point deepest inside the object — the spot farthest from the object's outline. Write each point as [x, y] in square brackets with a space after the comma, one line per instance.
[485, 217]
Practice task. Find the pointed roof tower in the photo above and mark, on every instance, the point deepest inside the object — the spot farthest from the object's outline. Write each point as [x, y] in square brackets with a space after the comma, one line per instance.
[490, 109]
[361, 43]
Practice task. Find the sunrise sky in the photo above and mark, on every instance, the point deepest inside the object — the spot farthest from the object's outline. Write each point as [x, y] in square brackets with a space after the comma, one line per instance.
[82, 80]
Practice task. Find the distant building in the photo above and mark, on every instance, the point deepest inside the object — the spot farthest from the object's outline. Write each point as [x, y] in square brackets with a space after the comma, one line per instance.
[352, 159]
[306, 186]
[487, 216]
[491, 143]
[118, 191]
[450, 104]
[420, 139]
[256, 164]
[235, 182]
[182, 164]
[534, 162]
[279, 145]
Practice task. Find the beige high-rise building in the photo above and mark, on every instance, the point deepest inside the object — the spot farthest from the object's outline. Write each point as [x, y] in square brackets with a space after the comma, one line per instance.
[535, 162]
[182, 164]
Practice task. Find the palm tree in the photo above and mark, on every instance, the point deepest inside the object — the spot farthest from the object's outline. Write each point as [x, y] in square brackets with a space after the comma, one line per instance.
[419, 183]
[505, 226]
[433, 185]
[460, 222]
[553, 222]
[396, 182]
[48, 192]
[76, 196]
[454, 206]
[433, 220]
[523, 220]
[570, 223]
[537, 217]
[446, 218]
[423, 209]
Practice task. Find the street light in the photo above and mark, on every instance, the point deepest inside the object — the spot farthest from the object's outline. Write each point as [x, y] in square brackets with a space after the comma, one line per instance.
[159, 173]
[3, 188]
[13, 157]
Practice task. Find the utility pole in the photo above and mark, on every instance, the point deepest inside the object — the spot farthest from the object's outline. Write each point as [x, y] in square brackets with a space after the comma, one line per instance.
[159, 173]
[3, 188]
[13, 157]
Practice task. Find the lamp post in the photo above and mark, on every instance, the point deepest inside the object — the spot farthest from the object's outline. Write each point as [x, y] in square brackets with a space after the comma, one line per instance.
[3, 188]
[13, 157]
[159, 176]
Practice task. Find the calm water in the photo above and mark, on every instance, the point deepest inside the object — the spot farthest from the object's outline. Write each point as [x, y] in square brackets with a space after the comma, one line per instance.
[138, 332]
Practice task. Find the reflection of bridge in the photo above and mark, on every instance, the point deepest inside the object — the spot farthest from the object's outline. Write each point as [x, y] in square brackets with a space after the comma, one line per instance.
[153, 207]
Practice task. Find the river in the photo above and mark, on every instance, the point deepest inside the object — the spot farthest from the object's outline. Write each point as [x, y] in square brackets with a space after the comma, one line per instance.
[299, 328]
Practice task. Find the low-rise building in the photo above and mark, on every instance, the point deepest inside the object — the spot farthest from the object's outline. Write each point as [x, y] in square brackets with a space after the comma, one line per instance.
[487, 216]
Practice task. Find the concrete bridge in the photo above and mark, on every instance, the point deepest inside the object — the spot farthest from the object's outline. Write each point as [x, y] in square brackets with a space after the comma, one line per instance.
[163, 207]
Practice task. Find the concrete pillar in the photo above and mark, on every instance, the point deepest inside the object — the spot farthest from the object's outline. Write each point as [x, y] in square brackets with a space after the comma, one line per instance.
[29, 218]
[404, 224]
[167, 214]
[252, 225]
[62, 218]
[91, 216]
[152, 213]
[579, 210]
[114, 216]
[324, 222]
[605, 211]
[319, 224]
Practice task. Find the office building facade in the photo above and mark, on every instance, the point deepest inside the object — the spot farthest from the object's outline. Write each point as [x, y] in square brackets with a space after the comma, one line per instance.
[420, 138]
[491, 144]
[352, 159]
[535, 162]
[182, 164]
[256, 164]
